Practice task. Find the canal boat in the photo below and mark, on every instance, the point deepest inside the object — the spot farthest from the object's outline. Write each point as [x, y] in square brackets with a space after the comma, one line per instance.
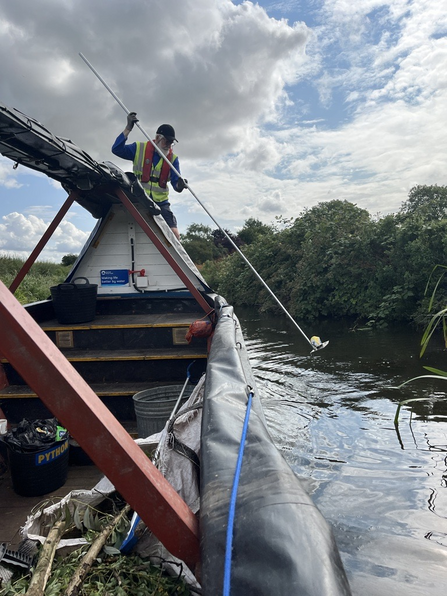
[145, 317]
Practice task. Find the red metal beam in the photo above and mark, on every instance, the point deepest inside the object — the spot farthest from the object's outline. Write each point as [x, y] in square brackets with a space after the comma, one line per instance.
[162, 249]
[43, 241]
[77, 407]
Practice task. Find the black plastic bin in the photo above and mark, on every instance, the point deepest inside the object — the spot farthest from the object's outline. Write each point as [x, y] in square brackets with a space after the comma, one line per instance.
[38, 456]
[39, 472]
[74, 302]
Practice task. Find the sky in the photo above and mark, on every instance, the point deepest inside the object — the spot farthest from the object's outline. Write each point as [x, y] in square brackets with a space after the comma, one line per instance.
[277, 105]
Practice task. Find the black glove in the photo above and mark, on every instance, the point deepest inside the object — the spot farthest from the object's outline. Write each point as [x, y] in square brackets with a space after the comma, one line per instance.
[131, 119]
[181, 184]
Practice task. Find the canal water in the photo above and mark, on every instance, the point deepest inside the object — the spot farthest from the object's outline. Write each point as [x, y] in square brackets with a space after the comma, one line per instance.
[382, 488]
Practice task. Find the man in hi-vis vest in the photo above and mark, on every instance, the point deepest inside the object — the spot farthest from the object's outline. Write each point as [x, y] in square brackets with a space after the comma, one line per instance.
[150, 168]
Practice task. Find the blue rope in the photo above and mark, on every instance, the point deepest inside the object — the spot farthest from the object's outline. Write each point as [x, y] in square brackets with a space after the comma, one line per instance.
[232, 510]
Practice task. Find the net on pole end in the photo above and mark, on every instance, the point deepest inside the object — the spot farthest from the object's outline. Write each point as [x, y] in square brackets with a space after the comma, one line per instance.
[317, 344]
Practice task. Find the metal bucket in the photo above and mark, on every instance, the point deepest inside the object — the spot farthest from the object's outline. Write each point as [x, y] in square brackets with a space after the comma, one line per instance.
[73, 302]
[154, 406]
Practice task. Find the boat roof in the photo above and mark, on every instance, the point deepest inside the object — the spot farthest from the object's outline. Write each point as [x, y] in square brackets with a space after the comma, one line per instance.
[26, 141]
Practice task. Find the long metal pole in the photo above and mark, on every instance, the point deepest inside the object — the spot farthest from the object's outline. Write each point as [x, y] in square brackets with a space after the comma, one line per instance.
[315, 345]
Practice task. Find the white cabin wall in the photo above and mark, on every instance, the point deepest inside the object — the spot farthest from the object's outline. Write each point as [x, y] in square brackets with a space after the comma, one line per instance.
[112, 251]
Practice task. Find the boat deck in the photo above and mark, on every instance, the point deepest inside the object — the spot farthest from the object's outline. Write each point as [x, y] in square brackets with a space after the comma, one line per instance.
[118, 355]
[14, 509]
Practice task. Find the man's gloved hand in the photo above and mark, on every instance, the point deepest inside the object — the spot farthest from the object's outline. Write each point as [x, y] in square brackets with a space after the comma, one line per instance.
[131, 119]
[181, 184]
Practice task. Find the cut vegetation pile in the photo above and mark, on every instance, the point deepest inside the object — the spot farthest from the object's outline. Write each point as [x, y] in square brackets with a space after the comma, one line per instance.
[96, 568]
[109, 576]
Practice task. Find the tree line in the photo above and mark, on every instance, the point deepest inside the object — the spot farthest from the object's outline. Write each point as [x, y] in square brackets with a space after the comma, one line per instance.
[334, 260]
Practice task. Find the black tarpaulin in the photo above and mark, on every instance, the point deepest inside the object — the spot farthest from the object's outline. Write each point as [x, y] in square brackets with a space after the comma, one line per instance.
[281, 543]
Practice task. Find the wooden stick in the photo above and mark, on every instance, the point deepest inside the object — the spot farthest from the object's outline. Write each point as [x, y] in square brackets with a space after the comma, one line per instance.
[46, 557]
[92, 553]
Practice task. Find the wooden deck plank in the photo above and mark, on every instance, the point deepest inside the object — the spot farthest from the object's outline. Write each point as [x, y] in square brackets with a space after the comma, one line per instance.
[127, 321]
[112, 389]
[119, 355]
[128, 355]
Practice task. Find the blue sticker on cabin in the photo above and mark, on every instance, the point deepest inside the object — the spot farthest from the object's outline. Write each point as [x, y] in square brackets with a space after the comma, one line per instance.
[114, 277]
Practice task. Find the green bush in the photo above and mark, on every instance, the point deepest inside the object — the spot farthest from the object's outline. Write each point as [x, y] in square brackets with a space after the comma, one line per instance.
[336, 260]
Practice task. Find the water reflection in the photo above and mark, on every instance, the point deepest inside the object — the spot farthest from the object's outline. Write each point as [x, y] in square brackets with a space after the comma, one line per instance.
[331, 414]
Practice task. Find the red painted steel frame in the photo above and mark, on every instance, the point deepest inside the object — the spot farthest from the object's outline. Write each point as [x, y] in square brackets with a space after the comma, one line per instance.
[43, 241]
[162, 248]
[93, 426]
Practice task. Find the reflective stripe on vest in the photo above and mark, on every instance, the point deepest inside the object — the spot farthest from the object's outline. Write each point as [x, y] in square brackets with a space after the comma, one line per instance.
[153, 178]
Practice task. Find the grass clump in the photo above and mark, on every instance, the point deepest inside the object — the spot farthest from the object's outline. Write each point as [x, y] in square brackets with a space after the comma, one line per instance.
[36, 284]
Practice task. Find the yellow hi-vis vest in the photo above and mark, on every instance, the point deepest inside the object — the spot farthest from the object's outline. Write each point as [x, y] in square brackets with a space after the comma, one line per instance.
[156, 187]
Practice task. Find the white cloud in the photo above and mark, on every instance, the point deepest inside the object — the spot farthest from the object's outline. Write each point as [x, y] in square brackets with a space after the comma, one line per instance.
[19, 234]
[273, 203]
[212, 77]
[394, 82]
[240, 90]
[8, 179]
